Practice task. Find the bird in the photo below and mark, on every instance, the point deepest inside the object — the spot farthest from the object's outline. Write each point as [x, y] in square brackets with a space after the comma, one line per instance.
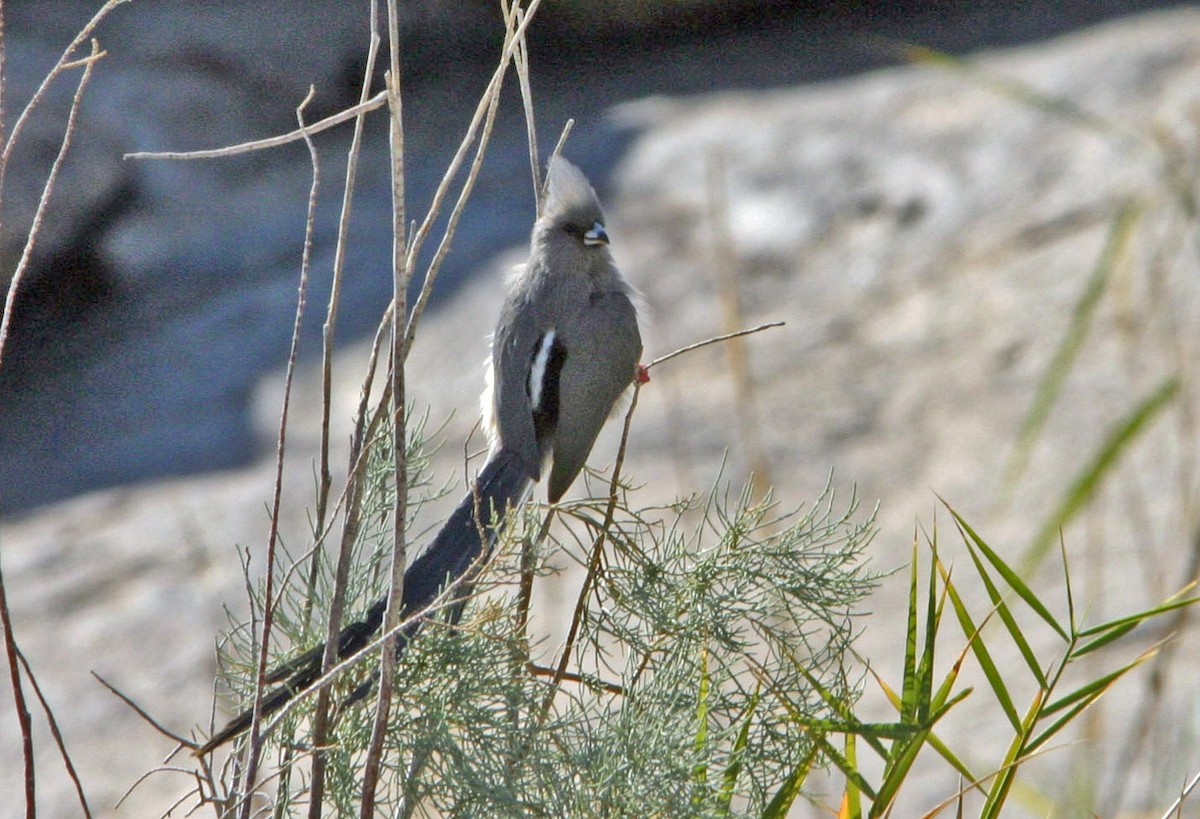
[565, 348]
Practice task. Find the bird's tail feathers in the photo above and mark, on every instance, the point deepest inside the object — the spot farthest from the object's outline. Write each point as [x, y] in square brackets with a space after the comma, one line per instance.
[461, 546]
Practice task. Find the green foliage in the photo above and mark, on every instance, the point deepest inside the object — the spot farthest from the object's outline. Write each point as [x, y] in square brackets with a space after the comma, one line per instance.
[711, 624]
[1055, 697]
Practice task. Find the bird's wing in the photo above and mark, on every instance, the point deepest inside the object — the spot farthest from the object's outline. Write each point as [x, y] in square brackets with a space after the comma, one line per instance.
[602, 352]
[513, 347]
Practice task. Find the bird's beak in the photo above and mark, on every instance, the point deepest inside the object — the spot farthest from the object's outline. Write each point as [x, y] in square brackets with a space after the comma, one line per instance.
[596, 236]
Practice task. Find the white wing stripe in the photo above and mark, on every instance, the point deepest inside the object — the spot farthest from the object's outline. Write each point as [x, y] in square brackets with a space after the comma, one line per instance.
[537, 369]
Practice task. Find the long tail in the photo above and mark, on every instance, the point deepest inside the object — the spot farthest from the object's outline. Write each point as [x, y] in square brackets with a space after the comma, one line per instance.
[456, 549]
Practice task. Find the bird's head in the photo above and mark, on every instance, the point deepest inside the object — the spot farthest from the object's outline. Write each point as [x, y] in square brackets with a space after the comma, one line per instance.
[571, 216]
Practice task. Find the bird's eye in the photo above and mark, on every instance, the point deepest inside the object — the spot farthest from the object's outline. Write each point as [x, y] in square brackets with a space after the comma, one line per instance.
[573, 230]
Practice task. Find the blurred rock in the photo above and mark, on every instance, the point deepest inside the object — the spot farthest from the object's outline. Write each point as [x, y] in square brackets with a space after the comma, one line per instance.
[160, 292]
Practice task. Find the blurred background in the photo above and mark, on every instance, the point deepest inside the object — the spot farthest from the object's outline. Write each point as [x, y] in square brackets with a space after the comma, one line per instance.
[161, 292]
[929, 231]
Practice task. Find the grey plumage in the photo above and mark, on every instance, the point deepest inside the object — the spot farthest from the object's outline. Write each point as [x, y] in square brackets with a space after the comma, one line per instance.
[570, 288]
[565, 347]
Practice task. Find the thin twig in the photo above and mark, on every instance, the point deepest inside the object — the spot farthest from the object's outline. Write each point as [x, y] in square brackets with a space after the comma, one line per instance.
[486, 104]
[528, 557]
[401, 275]
[570, 676]
[1176, 808]
[521, 62]
[335, 290]
[56, 733]
[141, 712]
[662, 359]
[63, 62]
[593, 569]
[199, 794]
[44, 200]
[6, 625]
[350, 113]
[351, 524]
[255, 745]
[353, 488]
[20, 706]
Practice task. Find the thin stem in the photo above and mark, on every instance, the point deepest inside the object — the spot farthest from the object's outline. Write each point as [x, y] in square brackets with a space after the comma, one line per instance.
[521, 60]
[64, 63]
[44, 200]
[593, 569]
[528, 560]
[255, 747]
[23, 718]
[401, 275]
[12, 652]
[353, 112]
[141, 712]
[486, 104]
[662, 359]
[339, 268]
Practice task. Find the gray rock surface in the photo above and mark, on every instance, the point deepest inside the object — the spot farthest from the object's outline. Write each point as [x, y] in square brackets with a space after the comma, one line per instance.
[925, 237]
[160, 292]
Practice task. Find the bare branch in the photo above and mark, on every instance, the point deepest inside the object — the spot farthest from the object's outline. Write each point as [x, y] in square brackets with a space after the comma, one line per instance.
[57, 734]
[280, 452]
[62, 64]
[44, 200]
[307, 131]
[141, 712]
[662, 359]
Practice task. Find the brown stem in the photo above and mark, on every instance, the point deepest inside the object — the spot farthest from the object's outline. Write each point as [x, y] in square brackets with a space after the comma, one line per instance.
[255, 747]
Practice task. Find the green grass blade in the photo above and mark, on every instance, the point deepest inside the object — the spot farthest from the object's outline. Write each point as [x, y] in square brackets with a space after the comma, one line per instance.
[1010, 576]
[1094, 687]
[700, 771]
[1083, 697]
[852, 799]
[1114, 634]
[1139, 616]
[933, 617]
[1002, 784]
[1089, 478]
[1016, 90]
[1072, 342]
[899, 767]
[734, 769]
[908, 696]
[983, 656]
[848, 769]
[936, 743]
[782, 802]
[1006, 617]
[878, 730]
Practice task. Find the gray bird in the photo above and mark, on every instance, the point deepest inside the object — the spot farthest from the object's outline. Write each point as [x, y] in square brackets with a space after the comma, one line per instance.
[565, 348]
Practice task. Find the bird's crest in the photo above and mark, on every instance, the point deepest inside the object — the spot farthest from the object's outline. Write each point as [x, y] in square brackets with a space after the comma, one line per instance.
[569, 195]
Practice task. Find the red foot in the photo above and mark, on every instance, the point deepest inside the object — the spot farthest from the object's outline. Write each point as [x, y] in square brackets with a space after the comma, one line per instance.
[642, 376]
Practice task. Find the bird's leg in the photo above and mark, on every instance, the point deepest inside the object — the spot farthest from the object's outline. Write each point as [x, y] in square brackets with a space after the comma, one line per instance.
[642, 374]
